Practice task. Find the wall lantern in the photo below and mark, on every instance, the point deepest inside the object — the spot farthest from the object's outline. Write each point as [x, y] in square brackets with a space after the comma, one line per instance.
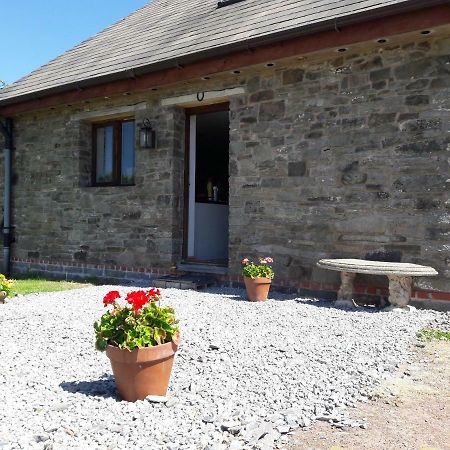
[147, 135]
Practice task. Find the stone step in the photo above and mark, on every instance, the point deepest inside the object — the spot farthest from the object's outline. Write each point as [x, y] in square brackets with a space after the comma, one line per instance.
[185, 281]
[202, 268]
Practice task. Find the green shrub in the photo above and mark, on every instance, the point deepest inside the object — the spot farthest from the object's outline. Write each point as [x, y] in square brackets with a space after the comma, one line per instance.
[6, 285]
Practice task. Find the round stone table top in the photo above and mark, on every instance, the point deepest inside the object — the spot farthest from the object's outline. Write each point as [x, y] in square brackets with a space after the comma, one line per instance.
[377, 267]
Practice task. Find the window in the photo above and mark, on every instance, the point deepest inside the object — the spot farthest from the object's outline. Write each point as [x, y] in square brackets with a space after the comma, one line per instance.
[114, 153]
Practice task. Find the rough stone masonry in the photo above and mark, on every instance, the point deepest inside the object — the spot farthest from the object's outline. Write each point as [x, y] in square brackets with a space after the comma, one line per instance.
[333, 155]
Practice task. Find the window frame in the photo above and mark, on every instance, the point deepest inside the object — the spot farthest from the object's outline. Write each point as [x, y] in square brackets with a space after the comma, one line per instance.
[117, 152]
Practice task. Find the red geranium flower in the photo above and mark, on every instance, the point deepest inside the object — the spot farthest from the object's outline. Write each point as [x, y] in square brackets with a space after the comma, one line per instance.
[137, 299]
[110, 297]
[152, 293]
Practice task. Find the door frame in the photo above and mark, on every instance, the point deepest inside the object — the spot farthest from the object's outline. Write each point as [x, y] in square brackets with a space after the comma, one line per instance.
[189, 112]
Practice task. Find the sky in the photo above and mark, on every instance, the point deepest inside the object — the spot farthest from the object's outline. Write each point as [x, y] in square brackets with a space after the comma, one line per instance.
[32, 32]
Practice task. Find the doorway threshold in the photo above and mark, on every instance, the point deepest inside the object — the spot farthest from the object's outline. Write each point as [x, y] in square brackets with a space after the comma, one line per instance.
[202, 268]
[186, 281]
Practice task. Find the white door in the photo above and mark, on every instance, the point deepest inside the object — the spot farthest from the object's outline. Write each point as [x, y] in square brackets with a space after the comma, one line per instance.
[208, 210]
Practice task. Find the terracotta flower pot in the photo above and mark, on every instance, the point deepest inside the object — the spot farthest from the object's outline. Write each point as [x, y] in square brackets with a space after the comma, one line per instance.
[144, 371]
[257, 288]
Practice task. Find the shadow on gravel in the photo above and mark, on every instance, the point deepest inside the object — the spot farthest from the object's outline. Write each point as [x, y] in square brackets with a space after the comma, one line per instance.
[105, 388]
[242, 296]
[239, 295]
[328, 304]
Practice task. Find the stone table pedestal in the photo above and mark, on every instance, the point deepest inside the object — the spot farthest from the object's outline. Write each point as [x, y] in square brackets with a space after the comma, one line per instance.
[345, 293]
[399, 290]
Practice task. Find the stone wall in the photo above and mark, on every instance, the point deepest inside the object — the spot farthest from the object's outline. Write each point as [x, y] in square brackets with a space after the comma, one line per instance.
[59, 216]
[348, 158]
[330, 156]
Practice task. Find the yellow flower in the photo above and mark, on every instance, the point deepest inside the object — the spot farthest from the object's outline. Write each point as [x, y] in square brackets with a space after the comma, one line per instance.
[5, 284]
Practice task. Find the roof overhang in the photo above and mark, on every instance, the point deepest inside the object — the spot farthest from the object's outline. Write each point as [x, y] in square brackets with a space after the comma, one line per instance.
[383, 22]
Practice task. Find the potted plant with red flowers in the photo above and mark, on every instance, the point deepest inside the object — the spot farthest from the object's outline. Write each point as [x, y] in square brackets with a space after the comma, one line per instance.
[140, 338]
[257, 278]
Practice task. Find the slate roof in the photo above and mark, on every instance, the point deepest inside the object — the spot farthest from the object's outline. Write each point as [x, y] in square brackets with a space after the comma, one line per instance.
[165, 33]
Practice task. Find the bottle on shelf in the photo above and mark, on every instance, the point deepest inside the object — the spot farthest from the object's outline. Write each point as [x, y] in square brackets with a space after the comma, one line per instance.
[209, 189]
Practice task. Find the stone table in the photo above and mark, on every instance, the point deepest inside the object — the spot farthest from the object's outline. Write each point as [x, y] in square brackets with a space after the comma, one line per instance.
[399, 274]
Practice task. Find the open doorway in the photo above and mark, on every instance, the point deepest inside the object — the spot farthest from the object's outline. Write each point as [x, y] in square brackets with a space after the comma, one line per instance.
[206, 215]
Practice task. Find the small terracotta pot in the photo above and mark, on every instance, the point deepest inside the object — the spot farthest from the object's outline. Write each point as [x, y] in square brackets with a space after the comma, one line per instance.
[144, 371]
[257, 288]
[3, 295]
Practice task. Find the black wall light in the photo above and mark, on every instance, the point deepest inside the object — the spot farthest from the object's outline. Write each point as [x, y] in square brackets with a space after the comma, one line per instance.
[222, 3]
[147, 135]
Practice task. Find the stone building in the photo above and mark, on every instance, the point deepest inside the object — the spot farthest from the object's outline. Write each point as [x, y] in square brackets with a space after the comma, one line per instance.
[295, 129]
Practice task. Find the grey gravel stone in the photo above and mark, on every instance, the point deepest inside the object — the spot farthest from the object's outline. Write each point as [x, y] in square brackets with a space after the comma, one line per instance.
[208, 419]
[157, 399]
[305, 422]
[231, 427]
[42, 437]
[236, 445]
[244, 394]
[284, 429]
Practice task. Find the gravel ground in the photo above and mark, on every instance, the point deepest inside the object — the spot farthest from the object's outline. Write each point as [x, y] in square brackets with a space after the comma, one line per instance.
[246, 373]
